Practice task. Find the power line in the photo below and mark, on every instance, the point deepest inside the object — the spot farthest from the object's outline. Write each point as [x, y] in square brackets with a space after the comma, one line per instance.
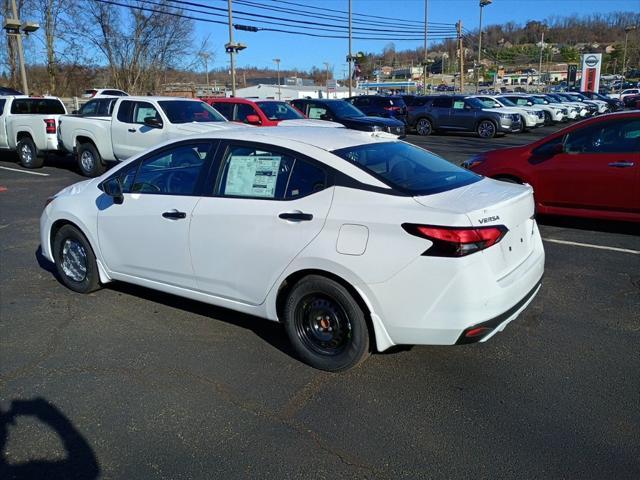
[268, 29]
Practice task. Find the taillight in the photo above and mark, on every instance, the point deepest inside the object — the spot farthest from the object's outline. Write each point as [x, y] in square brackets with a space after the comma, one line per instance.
[50, 125]
[392, 109]
[456, 241]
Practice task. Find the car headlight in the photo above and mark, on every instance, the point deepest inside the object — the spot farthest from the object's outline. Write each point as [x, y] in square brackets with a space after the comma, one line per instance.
[506, 116]
[376, 128]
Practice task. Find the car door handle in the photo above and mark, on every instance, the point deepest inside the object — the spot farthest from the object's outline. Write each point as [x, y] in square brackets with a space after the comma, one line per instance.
[296, 216]
[622, 164]
[132, 130]
[174, 215]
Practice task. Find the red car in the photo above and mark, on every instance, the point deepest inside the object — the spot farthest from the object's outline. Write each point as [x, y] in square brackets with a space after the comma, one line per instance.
[264, 113]
[590, 169]
[632, 101]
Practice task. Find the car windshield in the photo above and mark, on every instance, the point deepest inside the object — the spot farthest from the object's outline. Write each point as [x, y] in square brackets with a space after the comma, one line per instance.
[345, 109]
[279, 111]
[506, 102]
[537, 101]
[408, 168]
[188, 111]
[475, 103]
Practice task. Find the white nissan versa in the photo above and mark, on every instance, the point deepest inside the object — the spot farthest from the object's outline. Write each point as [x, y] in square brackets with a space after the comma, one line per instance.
[352, 240]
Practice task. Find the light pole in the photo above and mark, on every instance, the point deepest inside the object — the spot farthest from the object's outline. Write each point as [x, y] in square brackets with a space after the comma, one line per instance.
[15, 28]
[483, 3]
[627, 29]
[277, 61]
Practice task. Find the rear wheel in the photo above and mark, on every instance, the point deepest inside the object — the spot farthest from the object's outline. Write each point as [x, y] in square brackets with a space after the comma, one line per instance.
[75, 260]
[325, 325]
[28, 153]
[486, 129]
[424, 127]
[89, 160]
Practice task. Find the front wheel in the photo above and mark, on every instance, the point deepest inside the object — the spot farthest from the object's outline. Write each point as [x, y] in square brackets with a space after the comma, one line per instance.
[89, 161]
[28, 153]
[424, 127]
[547, 118]
[75, 260]
[486, 129]
[325, 325]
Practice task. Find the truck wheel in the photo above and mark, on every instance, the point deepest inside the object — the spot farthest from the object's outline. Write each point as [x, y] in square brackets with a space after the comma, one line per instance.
[89, 161]
[486, 129]
[28, 153]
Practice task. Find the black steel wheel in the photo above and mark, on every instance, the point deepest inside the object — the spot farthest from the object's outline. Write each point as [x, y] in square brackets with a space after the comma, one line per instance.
[325, 324]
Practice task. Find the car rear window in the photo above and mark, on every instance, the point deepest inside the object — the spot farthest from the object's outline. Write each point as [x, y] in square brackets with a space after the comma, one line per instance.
[408, 168]
[41, 106]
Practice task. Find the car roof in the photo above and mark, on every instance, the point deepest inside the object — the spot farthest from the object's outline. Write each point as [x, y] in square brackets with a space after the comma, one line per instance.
[328, 139]
[35, 97]
[159, 98]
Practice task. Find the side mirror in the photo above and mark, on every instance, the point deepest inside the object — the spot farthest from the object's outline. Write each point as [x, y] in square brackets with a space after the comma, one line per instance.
[113, 188]
[253, 119]
[467, 107]
[75, 112]
[153, 122]
[325, 116]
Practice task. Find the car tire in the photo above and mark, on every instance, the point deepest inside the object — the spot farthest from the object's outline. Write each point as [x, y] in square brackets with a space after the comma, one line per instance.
[424, 127]
[28, 153]
[486, 129]
[325, 324]
[89, 161]
[75, 261]
[547, 118]
[524, 125]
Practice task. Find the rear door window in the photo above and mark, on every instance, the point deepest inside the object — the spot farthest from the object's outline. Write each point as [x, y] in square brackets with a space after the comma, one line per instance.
[442, 102]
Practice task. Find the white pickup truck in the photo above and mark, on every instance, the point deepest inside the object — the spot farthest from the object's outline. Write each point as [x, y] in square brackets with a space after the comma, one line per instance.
[136, 124]
[28, 126]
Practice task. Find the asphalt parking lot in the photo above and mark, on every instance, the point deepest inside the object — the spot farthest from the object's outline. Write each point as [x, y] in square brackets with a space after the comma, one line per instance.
[130, 383]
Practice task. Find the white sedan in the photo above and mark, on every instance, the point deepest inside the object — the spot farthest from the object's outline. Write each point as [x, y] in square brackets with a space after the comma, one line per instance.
[355, 241]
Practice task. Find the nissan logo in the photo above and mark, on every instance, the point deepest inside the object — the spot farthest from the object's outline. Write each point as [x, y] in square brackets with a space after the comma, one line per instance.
[591, 61]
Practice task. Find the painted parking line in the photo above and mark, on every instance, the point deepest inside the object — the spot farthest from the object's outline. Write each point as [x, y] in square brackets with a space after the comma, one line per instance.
[25, 171]
[589, 245]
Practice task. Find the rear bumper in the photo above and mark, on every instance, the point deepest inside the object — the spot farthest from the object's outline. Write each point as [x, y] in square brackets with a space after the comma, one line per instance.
[434, 301]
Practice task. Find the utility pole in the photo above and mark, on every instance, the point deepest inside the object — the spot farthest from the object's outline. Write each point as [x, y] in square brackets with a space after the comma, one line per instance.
[426, 63]
[205, 56]
[349, 58]
[23, 72]
[232, 51]
[326, 65]
[627, 29]
[461, 55]
[540, 66]
[277, 60]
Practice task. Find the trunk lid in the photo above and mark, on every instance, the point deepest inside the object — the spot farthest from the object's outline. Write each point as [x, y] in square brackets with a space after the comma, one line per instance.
[490, 203]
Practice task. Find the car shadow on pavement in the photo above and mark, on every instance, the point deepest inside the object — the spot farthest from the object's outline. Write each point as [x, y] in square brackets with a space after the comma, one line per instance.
[80, 462]
[625, 228]
[271, 332]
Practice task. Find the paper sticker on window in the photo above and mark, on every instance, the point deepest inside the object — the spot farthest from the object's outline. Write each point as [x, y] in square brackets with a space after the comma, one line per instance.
[252, 176]
[459, 105]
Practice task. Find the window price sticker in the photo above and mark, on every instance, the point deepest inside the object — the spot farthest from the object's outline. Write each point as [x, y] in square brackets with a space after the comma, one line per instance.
[253, 176]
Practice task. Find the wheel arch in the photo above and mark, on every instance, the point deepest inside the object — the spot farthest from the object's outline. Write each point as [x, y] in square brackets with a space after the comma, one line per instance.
[377, 332]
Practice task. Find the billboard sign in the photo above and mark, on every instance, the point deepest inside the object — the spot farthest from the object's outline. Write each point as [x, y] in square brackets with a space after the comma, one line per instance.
[591, 63]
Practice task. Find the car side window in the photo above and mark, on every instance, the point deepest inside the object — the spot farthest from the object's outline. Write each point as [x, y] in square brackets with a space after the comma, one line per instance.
[174, 171]
[143, 110]
[316, 111]
[225, 108]
[115, 93]
[442, 102]
[243, 110]
[89, 108]
[254, 172]
[105, 107]
[620, 136]
[125, 111]
[306, 178]
[2, 102]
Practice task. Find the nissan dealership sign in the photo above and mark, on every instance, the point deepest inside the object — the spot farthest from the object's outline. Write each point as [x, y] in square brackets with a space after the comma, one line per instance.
[591, 63]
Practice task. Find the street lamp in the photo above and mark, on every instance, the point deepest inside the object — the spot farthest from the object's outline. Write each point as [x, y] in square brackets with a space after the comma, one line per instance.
[232, 48]
[627, 29]
[483, 3]
[15, 28]
[277, 60]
